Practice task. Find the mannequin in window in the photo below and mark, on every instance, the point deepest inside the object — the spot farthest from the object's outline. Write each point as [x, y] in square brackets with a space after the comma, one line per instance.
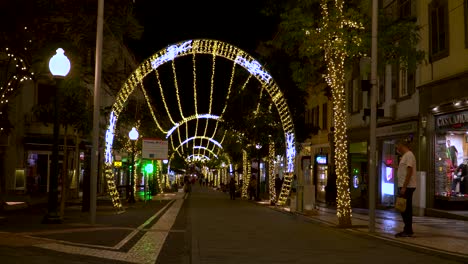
[452, 153]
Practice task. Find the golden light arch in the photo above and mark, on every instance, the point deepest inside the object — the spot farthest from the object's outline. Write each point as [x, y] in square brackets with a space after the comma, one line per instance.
[215, 48]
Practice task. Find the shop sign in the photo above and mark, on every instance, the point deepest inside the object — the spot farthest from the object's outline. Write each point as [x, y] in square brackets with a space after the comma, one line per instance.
[321, 159]
[409, 127]
[455, 120]
[154, 149]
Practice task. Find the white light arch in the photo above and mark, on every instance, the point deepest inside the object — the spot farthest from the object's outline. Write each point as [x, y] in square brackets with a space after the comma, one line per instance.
[199, 46]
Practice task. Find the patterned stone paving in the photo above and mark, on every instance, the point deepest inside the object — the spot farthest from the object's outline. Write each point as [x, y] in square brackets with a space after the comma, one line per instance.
[145, 250]
[432, 233]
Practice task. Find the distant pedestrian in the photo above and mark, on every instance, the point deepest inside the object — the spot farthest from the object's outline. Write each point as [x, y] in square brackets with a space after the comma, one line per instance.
[252, 188]
[278, 185]
[232, 188]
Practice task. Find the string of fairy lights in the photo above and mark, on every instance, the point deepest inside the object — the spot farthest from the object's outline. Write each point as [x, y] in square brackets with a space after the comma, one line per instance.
[17, 73]
[194, 47]
[335, 50]
[271, 171]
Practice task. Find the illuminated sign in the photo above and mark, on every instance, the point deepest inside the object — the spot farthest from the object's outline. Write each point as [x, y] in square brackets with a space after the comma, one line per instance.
[355, 181]
[321, 159]
[117, 164]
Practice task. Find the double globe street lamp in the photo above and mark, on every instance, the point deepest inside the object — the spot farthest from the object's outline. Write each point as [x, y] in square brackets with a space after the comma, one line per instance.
[59, 66]
[133, 135]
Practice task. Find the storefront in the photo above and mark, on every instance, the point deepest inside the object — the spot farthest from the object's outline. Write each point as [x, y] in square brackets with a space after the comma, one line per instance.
[387, 138]
[450, 158]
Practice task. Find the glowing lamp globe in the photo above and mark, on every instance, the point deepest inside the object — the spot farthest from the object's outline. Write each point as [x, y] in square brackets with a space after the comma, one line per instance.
[133, 134]
[59, 65]
[165, 161]
[149, 168]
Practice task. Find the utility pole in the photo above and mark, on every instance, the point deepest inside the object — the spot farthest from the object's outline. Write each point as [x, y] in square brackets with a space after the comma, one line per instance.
[373, 119]
[97, 87]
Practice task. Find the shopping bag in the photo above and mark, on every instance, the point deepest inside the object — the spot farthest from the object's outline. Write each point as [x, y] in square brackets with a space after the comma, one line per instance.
[400, 204]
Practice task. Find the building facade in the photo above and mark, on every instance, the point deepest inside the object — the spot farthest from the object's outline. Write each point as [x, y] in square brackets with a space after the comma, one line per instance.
[398, 119]
[444, 102]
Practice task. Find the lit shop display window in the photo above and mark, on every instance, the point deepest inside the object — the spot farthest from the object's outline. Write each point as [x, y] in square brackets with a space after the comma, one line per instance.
[451, 165]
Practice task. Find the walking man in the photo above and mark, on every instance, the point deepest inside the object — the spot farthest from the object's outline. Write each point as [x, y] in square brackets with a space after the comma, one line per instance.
[406, 184]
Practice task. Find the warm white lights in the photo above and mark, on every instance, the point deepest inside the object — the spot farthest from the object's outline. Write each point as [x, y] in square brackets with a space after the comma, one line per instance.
[181, 141]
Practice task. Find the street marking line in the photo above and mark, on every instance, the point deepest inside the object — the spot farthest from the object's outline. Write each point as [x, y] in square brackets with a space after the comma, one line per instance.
[147, 222]
[146, 250]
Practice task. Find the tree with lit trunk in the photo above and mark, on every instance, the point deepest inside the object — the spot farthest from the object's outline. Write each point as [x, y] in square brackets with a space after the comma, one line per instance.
[334, 46]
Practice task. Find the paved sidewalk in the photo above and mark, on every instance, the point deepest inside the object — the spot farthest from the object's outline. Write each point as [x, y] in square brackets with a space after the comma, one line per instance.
[447, 236]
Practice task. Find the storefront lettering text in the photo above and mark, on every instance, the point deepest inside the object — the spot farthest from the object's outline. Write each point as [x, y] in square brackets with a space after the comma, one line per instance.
[452, 120]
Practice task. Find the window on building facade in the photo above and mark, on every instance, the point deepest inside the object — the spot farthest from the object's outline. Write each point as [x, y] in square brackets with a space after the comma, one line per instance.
[317, 116]
[406, 8]
[403, 87]
[407, 83]
[465, 5]
[324, 116]
[356, 95]
[381, 91]
[438, 29]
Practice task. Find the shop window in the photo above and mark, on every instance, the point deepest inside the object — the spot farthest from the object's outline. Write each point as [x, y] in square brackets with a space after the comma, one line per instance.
[388, 173]
[438, 29]
[451, 165]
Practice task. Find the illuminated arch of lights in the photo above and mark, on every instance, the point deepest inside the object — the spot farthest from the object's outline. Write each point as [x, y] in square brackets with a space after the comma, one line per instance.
[197, 157]
[207, 149]
[193, 47]
[190, 118]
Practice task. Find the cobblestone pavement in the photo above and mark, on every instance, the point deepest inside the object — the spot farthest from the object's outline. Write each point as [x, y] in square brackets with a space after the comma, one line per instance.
[226, 231]
[135, 236]
[207, 227]
[448, 236]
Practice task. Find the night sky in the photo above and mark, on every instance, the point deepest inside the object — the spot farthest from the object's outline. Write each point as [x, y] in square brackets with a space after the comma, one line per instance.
[239, 23]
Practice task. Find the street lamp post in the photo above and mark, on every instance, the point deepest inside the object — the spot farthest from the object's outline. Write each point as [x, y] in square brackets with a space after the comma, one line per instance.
[59, 66]
[133, 135]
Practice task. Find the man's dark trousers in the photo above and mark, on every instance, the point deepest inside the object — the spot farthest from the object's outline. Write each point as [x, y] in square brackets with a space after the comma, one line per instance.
[408, 213]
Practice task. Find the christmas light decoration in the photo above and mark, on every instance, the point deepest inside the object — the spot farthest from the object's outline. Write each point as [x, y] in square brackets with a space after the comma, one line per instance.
[271, 170]
[190, 118]
[194, 48]
[14, 77]
[335, 48]
[245, 174]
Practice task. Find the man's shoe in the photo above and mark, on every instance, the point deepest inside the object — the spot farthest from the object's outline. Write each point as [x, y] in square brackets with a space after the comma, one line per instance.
[403, 234]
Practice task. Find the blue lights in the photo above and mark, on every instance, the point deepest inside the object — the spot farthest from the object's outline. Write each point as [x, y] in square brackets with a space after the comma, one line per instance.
[254, 68]
[290, 151]
[171, 52]
[110, 137]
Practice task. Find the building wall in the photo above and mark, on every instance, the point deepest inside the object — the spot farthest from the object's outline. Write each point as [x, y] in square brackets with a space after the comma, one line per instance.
[442, 83]
[456, 62]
